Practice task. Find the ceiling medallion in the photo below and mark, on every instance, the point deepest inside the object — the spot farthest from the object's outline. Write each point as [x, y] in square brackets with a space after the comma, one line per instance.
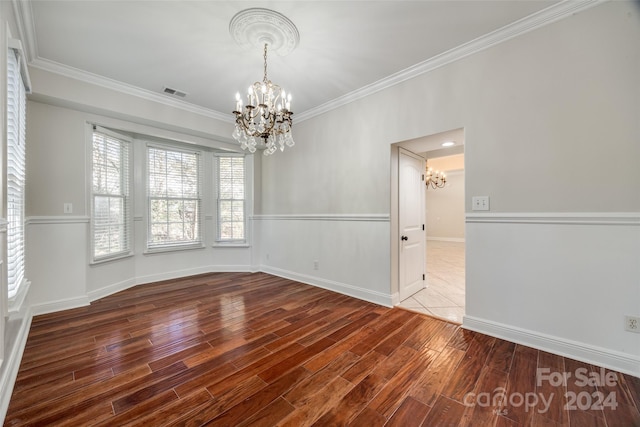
[253, 27]
[265, 121]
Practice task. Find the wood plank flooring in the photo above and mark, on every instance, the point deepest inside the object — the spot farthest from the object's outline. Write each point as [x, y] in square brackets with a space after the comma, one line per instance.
[232, 349]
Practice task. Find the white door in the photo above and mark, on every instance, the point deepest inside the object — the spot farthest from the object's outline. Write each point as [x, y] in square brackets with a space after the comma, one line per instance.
[411, 221]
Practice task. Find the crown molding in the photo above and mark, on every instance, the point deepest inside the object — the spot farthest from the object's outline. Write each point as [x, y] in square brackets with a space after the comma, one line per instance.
[26, 27]
[95, 79]
[539, 19]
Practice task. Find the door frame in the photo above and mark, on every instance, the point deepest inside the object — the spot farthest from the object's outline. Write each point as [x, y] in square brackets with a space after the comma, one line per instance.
[416, 144]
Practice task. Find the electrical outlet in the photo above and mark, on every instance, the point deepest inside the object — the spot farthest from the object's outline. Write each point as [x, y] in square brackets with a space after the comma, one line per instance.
[632, 324]
[316, 265]
[480, 203]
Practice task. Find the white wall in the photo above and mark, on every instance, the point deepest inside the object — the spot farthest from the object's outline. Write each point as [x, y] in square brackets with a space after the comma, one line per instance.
[538, 111]
[445, 209]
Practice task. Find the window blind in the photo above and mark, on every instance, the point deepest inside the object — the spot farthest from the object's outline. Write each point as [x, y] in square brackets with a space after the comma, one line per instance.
[174, 198]
[231, 198]
[111, 202]
[16, 130]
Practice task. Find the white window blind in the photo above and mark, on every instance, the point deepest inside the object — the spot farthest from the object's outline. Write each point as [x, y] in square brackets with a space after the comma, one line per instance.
[16, 129]
[174, 198]
[231, 198]
[111, 202]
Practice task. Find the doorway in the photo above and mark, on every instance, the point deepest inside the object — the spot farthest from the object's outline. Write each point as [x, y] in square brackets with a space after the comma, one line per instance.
[443, 293]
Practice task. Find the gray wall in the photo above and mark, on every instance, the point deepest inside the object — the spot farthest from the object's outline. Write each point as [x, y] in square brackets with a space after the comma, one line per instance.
[541, 112]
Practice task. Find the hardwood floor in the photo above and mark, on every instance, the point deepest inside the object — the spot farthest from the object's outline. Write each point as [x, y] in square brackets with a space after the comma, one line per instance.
[253, 349]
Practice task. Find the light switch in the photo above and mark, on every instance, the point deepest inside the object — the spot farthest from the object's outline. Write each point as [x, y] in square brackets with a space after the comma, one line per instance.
[480, 203]
[68, 208]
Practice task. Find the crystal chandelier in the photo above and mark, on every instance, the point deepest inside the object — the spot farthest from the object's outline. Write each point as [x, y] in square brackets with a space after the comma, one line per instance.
[267, 115]
[435, 179]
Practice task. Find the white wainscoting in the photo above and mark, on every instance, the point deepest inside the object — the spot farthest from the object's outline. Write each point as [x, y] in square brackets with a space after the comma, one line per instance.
[343, 253]
[560, 282]
[56, 262]
[16, 330]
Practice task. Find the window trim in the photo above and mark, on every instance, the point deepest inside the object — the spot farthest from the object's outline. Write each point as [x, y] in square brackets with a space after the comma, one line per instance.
[147, 198]
[21, 287]
[228, 243]
[128, 221]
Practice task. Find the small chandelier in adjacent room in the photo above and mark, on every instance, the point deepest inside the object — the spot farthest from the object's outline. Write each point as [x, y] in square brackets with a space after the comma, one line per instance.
[435, 179]
[265, 120]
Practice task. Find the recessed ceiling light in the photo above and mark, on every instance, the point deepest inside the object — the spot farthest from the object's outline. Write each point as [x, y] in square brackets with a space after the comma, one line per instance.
[448, 144]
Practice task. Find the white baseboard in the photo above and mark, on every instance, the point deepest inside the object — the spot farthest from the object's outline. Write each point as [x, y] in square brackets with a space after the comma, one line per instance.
[59, 305]
[111, 289]
[342, 288]
[151, 278]
[606, 358]
[10, 366]
[395, 298]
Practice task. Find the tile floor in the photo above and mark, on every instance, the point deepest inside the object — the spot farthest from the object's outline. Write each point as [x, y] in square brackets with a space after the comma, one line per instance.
[444, 295]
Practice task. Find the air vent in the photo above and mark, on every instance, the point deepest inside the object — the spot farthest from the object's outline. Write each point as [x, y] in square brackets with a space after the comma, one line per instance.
[174, 92]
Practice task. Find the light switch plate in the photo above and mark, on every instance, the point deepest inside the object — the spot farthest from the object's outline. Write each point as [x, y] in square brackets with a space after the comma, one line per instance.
[68, 208]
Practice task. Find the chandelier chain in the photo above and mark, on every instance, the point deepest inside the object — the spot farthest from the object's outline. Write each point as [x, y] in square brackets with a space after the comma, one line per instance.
[265, 64]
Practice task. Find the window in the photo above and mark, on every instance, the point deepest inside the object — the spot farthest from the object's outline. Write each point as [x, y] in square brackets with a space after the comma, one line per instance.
[16, 129]
[231, 198]
[110, 211]
[174, 199]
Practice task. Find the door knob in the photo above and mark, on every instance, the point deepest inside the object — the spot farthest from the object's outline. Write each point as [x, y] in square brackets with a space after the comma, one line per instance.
[405, 238]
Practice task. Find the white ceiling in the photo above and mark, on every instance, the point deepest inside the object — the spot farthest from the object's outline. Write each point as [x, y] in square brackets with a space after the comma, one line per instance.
[430, 146]
[346, 47]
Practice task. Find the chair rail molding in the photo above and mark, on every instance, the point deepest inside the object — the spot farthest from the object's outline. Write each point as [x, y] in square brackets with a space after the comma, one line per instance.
[57, 219]
[322, 217]
[578, 218]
